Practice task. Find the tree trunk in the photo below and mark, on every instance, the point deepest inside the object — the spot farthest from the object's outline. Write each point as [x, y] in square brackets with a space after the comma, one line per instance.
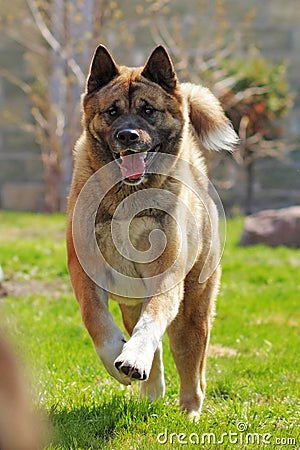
[249, 187]
[65, 88]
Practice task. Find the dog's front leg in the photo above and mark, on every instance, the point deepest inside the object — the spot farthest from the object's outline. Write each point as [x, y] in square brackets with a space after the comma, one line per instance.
[93, 301]
[107, 337]
[158, 311]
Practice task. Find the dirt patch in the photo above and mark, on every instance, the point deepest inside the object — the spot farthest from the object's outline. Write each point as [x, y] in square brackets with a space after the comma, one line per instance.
[26, 288]
[218, 350]
[3, 291]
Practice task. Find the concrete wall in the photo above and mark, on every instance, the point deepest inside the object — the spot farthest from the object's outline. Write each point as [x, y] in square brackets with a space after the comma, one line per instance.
[21, 171]
[275, 29]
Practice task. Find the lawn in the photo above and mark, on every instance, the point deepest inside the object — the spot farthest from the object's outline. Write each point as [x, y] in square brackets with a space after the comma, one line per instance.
[253, 369]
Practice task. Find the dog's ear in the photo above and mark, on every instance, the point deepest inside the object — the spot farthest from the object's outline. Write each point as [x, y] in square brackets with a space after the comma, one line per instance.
[208, 118]
[159, 69]
[103, 69]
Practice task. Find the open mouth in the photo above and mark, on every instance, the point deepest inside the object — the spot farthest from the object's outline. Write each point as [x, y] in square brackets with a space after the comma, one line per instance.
[133, 164]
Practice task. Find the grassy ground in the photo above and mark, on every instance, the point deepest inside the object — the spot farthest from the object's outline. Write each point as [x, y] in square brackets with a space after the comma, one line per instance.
[253, 370]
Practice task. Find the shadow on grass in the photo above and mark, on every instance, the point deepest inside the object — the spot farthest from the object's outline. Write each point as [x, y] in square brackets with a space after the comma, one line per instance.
[91, 427]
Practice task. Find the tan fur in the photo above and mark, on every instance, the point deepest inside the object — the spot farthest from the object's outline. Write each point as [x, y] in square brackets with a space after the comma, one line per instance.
[19, 429]
[185, 310]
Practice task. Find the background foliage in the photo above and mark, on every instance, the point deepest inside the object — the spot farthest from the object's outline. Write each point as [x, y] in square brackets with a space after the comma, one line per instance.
[58, 38]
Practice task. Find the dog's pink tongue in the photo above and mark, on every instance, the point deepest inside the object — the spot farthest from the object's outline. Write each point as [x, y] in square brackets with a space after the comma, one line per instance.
[133, 165]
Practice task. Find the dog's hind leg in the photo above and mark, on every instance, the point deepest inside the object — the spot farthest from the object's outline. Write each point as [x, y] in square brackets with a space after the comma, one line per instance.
[189, 338]
[154, 387]
[130, 315]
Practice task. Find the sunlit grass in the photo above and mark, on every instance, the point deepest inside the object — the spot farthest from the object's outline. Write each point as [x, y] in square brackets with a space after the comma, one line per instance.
[252, 373]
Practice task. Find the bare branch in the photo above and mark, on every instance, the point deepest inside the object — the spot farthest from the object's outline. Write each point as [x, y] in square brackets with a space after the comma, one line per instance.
[243, 128]
[224, 84]
[247, 94]
[39, 118]
[25, 87]
[53, 43]
[44, 30]
[26, 43]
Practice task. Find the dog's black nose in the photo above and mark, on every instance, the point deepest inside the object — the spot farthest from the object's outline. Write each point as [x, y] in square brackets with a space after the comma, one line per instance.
[128, 136]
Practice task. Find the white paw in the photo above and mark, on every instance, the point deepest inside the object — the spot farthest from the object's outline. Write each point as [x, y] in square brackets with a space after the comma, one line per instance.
[108, 353]
[135, 365]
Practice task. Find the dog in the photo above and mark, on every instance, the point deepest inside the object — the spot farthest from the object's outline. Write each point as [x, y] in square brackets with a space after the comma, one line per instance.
[146, 130]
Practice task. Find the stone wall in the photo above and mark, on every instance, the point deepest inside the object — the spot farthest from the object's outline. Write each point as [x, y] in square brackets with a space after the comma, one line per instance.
[21, 171]
[275, 29]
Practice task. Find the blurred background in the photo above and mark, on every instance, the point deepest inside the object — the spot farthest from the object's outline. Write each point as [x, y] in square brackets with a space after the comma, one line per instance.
[247, 52]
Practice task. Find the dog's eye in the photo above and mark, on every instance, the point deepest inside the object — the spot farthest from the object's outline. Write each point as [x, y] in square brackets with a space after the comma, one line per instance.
[148, 110]
[112, 111]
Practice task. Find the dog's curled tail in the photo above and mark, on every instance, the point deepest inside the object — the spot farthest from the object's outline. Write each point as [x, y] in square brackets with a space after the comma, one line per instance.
[208, 119]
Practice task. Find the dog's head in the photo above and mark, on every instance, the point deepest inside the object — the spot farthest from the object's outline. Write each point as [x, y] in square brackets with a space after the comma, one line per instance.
[132, 113]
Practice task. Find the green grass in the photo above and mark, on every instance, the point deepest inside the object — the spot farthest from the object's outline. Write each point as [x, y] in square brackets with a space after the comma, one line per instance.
[252, 373]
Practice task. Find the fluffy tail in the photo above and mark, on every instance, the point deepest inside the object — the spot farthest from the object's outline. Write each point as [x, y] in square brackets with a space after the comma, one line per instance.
[208, 118]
